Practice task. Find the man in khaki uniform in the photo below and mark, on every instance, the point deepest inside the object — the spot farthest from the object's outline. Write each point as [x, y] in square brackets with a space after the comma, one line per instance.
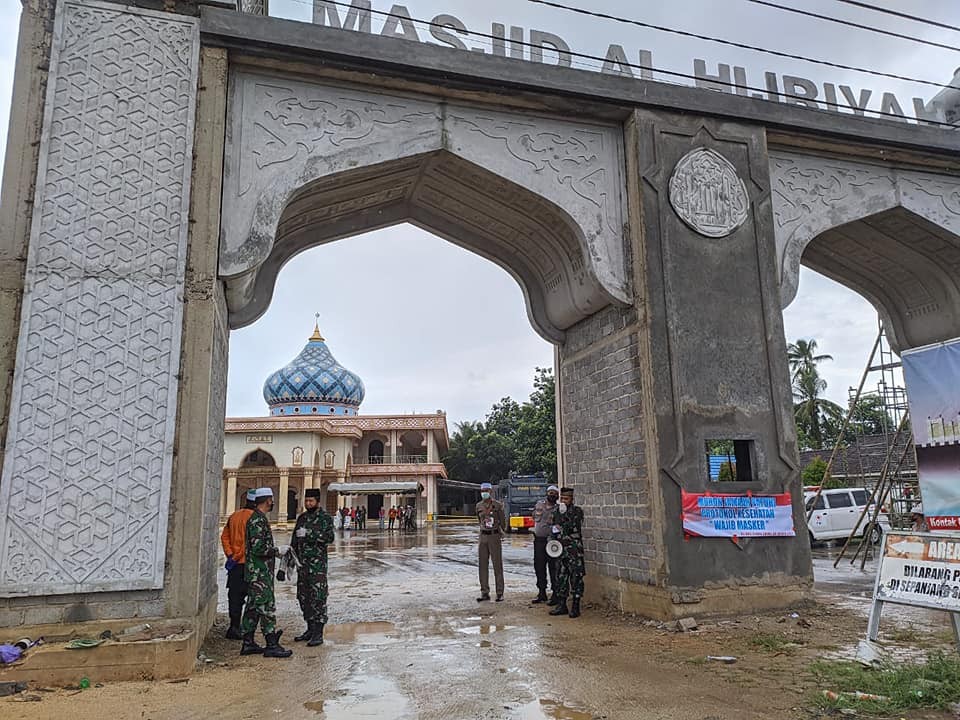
[493, 523]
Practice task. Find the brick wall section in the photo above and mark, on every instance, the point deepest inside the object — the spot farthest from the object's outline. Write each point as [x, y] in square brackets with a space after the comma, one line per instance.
[603, 444]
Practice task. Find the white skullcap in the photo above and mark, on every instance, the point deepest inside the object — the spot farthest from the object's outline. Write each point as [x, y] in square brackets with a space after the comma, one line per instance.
[263, 493]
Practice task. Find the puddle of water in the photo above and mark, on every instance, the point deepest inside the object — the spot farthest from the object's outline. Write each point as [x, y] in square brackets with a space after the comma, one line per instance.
[484, 629]
[365, 698]
[366, 633]
[546, 709]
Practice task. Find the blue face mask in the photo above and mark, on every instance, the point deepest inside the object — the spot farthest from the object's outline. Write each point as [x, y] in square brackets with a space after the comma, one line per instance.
[485, 495]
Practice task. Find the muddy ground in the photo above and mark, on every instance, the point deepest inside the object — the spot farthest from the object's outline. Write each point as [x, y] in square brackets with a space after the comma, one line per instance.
[408, 640]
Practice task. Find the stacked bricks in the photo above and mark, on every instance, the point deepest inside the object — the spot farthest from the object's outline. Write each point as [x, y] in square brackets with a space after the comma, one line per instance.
[604, 454]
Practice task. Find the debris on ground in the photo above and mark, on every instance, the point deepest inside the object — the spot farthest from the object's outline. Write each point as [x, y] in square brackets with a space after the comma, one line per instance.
[11, 688]
[868, 653]
[726, 659]
[83, 644]
[686, 624]
[857, 695]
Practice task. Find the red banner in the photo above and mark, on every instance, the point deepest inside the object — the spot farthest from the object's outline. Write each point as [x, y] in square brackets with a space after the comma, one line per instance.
[716, 515]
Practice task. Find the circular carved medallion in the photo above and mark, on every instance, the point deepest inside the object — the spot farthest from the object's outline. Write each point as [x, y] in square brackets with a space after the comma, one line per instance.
[707, 193]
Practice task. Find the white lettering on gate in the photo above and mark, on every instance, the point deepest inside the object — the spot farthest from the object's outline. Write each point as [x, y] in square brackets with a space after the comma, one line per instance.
[451, 31]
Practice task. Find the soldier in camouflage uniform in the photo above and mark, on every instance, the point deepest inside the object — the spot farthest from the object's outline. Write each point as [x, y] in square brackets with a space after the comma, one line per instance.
[312, 534]
[261, 554]
[568, 528]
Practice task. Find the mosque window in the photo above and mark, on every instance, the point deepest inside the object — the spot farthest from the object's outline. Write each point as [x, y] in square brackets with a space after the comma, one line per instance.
[313, 409]
[296, 409]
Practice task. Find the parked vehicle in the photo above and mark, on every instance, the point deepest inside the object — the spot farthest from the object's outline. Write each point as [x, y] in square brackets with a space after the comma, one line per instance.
[519, 493]
[837, 511]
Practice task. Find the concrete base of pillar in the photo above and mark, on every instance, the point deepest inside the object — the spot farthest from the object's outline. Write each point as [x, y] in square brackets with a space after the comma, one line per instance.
[665, 603]
[168, 650]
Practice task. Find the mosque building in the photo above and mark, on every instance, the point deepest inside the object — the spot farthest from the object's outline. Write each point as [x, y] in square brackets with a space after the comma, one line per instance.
[315, 437]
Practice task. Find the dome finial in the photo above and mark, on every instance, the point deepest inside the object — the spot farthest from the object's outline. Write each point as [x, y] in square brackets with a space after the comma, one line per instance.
[316, 337]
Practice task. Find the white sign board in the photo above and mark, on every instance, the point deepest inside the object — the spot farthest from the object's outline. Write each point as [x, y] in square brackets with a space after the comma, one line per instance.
[920, 569]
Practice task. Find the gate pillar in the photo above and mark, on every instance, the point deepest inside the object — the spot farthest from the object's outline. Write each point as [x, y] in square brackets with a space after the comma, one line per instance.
[108, 508]
[699, 358]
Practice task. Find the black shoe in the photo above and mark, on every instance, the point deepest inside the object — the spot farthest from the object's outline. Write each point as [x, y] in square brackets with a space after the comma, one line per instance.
[249, 646]
[233, 633]
[484, 597]
[306, 634]
[560, 609]
[575, 608]
[500, 597]
[317, 637]
[542, 597]
[553, 599]
[274, 649]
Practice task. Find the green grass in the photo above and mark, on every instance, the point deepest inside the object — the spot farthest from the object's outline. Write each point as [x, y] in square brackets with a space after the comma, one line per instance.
[932, 684]
[772, 642]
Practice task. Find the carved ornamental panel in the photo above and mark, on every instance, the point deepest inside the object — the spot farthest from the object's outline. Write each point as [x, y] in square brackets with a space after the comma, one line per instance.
[707, 193]
[86, 477]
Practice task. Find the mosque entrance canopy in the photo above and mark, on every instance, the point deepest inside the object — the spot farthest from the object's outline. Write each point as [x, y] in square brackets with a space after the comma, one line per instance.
[387, 488]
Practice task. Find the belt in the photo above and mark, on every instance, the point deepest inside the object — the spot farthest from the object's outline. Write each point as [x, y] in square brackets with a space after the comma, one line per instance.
[488, 532]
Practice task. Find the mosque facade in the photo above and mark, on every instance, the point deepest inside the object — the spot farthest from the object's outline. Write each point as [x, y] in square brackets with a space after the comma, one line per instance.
[315, 437]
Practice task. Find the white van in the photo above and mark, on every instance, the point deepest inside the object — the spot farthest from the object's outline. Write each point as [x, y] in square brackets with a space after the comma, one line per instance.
[837, 511]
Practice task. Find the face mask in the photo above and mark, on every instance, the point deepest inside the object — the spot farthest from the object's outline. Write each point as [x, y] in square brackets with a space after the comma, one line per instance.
[551, 498]
[485, 495]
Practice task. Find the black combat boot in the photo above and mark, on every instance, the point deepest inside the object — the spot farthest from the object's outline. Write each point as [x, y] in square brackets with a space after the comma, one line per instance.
[561, 608]
[233, 632]
[249, 646]
[575, 607]
[541, 597]
[317, 637]
[274, 649]
[553, 599]
[306, 634]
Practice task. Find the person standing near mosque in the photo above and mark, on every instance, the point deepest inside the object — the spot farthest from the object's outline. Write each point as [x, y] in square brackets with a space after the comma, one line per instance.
[568, 529]
[261, 554]
[234, 540]
[311, 536]
[542, 532]
[493, 523]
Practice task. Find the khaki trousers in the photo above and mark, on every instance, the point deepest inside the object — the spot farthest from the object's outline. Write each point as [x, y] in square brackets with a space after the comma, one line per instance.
[490, 549]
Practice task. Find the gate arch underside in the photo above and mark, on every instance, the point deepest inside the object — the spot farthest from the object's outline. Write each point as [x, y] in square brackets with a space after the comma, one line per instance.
[891, 235]
[308, 163]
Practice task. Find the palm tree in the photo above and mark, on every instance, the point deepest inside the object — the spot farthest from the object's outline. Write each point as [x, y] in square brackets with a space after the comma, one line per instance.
[803, 358]
[815, 415]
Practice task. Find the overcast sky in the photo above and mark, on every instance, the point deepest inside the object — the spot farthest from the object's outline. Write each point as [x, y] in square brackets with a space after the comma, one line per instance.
[430, 326]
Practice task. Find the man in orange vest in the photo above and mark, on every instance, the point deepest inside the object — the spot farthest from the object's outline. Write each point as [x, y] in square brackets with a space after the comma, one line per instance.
[234, 538]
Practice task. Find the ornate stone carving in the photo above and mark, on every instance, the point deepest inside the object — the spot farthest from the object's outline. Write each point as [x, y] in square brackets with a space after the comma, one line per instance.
[707, 193]
[86, 476]
[812, 195]
[288, 134]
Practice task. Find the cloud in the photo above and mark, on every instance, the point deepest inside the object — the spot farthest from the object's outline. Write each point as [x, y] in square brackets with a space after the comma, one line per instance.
[430, 326]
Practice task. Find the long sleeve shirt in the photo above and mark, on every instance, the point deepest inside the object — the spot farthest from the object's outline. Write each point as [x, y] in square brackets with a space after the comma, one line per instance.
[543, 518]
[491, 517]
[234, 535]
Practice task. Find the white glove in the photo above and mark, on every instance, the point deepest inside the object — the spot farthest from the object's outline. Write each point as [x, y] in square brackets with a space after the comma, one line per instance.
[562, 507]
[301, 533]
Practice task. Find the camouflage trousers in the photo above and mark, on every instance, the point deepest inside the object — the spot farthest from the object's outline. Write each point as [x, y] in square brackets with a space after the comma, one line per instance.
[312, 595]
[570, 576]
[261, 608]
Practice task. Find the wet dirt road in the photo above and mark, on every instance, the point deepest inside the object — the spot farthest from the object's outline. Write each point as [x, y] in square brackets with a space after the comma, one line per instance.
[407, 639]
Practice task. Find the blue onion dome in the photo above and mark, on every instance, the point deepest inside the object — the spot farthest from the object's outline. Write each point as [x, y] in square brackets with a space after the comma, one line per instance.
[314, 384]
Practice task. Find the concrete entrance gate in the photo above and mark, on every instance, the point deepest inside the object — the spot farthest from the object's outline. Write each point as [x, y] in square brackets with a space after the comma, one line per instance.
[162, 166]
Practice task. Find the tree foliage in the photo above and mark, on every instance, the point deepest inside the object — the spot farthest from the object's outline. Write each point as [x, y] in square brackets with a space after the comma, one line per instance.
[818, 419]
[514, 437]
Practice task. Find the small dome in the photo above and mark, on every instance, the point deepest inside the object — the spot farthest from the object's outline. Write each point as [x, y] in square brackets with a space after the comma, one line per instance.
[313, 384]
